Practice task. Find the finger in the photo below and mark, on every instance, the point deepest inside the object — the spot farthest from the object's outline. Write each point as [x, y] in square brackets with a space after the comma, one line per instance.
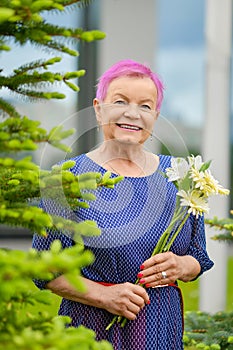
[135, 294]
[129, 315]
[133, 308]
[159, 279]
[162, 280]
[139, 301]
[153, 270]
[157, 259]
[130, 310]
[140, 295]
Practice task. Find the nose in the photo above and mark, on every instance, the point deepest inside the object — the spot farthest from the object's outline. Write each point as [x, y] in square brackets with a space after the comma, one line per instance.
[132, 111]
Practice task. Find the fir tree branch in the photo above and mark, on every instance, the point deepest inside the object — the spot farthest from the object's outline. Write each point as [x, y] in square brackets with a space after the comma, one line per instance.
[225, 224]
[35, 65]
[21, 183]
[226, 237]
[208, 331]
[20, 79]
[42, 33]
[8, 109]
[23, 134]
[29, 11]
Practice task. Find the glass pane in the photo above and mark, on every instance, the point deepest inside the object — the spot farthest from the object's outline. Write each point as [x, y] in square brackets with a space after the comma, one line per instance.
[180, 62]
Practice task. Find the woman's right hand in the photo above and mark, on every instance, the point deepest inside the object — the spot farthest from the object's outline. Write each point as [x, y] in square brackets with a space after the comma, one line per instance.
[125, 299]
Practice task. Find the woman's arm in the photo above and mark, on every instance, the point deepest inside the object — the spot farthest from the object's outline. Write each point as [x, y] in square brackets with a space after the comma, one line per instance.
[125, 299]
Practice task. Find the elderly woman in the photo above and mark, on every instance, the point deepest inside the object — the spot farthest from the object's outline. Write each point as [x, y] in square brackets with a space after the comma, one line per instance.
[132, 217]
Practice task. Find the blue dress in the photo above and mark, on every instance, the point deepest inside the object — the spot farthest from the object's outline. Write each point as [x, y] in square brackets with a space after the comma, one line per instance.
[132, 217]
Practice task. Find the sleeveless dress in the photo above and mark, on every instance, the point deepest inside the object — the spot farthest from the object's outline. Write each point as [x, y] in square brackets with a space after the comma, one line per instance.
[132, 217]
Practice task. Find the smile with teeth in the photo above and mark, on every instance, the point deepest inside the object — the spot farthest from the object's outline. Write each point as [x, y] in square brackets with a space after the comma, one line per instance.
[129, 127]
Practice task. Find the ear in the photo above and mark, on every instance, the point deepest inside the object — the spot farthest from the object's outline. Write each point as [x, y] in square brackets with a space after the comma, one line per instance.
[96, 105]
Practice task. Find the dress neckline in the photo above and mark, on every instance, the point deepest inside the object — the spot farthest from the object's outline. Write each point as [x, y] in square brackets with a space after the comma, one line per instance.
[126, 177]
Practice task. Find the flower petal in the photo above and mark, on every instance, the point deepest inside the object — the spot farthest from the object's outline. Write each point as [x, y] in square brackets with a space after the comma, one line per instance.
[178, 170]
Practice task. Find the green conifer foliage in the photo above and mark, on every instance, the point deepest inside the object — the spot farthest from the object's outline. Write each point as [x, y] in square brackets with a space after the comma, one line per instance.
[22, 181]
[224, 225]
[205, 330]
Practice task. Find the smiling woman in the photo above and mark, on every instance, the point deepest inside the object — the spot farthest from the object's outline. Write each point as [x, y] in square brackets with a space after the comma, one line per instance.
[127, 116]
[132, 217]
[130, 102]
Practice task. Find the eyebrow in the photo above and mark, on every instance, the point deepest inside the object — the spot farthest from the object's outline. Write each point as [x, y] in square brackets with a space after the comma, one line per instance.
[124, 96]
[147, 100]
[119, 94]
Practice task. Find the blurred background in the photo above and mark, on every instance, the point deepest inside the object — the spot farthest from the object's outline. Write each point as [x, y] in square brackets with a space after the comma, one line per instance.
[189, 44]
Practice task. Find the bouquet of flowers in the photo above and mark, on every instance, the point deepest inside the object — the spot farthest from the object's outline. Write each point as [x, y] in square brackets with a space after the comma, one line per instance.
[195, 184]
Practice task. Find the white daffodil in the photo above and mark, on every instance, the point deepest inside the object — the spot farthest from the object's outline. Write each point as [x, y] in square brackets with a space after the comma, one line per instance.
[195, 162]
[197, 205]
[178, 170]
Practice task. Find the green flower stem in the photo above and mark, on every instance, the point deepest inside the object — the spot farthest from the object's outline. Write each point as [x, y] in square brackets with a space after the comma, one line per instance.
[164, 244]
[112, 322]
[123, 323]
[120, 319]
[168, 246]
[163, 239]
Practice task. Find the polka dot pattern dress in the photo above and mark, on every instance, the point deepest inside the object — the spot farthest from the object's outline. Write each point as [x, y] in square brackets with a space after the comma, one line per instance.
[132, 217]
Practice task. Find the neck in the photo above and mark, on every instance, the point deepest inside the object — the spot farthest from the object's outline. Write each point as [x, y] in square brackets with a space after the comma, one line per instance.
[122, 159]
[125, 159]
[115, 150]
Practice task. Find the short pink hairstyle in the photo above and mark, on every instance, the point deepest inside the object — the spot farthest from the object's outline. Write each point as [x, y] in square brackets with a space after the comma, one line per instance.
[128, 68]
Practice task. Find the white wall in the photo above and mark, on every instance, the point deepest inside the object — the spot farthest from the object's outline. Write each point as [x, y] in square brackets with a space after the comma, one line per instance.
[130, 31]
[216, 139]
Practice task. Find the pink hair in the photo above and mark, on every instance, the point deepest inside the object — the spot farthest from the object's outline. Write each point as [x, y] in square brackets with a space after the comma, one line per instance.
[128, 68]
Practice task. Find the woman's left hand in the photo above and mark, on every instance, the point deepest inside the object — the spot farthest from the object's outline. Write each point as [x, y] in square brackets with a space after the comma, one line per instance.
[165, 268]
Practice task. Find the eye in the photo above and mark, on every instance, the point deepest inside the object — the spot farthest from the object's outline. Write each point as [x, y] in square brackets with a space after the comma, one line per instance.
[145, 107]
[120, 102]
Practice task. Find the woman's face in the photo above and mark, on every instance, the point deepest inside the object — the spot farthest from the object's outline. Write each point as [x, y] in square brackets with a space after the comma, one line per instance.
[128, 112]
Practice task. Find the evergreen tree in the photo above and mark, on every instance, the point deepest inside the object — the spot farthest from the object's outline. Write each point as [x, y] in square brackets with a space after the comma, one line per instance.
[211, 331]
[224, 225]
[22, 181]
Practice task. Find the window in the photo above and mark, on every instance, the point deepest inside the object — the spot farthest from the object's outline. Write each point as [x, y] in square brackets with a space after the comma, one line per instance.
[180, 62]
